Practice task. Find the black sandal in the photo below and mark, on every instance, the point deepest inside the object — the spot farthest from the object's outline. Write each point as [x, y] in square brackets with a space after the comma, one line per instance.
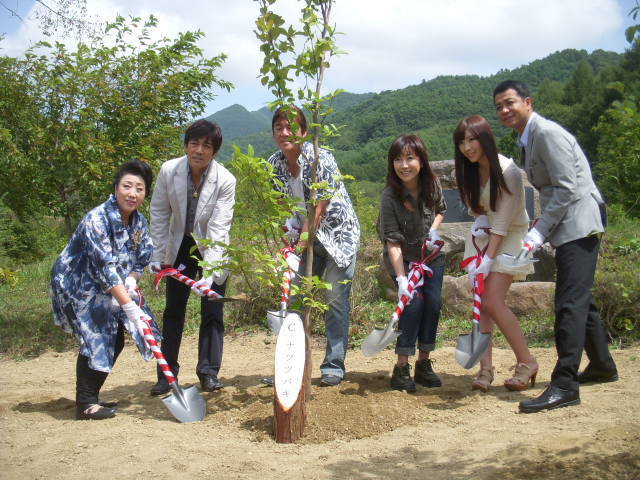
[102, 413]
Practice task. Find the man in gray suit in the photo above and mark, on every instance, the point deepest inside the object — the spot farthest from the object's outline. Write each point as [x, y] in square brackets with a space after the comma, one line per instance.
[193, 199]
[573, 220]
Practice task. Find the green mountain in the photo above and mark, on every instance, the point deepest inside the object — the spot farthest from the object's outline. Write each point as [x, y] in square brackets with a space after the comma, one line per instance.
[244, 128]
[430, 109]
[236, 121]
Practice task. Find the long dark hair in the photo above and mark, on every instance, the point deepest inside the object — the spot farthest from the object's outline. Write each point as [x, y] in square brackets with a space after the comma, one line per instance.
[427, 182]
[468, 174]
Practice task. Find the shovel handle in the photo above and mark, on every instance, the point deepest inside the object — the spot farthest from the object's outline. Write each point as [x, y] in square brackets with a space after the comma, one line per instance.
[153, 345]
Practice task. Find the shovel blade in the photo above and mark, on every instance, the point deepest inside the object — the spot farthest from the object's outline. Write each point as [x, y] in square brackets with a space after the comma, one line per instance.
[275, 319]
[514, 261]
[471, 347]
[377, 340]
[187, 405]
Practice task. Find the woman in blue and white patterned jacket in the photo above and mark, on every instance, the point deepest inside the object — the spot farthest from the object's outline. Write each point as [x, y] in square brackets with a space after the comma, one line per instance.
[93, 285]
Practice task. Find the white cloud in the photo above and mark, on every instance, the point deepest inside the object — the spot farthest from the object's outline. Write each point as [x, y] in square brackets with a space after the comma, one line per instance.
[390, 44]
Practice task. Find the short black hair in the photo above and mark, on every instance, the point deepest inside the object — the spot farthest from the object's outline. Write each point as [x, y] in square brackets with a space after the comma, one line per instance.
[521, 88]
[281, 114]
[137, 168]
[204, 129]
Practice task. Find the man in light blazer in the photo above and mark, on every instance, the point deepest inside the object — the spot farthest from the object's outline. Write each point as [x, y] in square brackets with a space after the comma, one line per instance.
[573, 219]
[193, 199]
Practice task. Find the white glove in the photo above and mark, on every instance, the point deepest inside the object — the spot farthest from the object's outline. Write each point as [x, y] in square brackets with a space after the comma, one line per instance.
[202, 284]
[131, 285]
[532, 240]
[293, 261]
[134, 317]
[155, 267]
[403, 286]
[484, 268]
[434, 237]
[479, 225]
[293, 229]
[219, 276]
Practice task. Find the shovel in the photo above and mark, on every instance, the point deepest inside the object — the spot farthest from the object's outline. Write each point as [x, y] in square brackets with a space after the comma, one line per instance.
[186, 405]
[378, 340]
[471, 346]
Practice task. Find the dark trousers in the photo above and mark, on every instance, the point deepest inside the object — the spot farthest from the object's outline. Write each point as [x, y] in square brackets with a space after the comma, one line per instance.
[578, 325]
[89, 381]
[420, 318]
[210, 340]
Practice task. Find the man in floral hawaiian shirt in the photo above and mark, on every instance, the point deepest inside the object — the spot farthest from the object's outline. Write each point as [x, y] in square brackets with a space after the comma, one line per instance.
[337, 231]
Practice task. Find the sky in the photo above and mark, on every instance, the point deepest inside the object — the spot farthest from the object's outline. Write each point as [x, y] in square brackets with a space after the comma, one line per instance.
[389, 44]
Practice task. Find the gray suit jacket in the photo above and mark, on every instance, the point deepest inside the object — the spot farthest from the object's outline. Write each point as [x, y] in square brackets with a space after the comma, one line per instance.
[169, 208]
[556, 165]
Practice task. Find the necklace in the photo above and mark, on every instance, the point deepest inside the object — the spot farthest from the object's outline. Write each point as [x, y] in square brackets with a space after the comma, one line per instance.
[196, 189]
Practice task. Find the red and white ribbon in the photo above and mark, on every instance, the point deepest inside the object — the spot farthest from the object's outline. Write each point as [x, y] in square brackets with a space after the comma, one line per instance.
[478, 282]
[417, 273]
[153, 345]
[175, 273]
[287, 276]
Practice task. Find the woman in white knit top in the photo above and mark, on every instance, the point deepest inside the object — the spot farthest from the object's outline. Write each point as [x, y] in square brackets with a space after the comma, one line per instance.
[491, 187]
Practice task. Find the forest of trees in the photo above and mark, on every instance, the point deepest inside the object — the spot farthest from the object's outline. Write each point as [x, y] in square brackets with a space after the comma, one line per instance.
[71, 115]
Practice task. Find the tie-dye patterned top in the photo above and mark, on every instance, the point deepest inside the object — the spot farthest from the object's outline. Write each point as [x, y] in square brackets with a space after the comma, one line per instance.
[339, 230]
[100, 255]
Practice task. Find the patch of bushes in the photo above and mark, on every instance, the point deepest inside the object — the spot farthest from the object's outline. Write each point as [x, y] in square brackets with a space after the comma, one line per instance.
[25, 240]
[617, 283]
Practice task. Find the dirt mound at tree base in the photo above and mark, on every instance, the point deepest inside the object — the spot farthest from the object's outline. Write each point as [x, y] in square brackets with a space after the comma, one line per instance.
[359, 429]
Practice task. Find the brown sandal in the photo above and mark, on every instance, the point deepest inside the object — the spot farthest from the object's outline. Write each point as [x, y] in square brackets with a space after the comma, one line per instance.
[483, 379]
[524, 373]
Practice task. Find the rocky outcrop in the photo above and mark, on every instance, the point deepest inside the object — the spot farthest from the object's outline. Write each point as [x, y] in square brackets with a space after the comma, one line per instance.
[523, 297]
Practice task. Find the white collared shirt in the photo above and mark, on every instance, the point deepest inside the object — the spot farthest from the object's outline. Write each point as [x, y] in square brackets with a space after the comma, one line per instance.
[524, 138]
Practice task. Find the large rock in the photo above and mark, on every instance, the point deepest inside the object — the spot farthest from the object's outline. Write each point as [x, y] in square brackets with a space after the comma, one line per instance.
[523, 297]
[446, 172]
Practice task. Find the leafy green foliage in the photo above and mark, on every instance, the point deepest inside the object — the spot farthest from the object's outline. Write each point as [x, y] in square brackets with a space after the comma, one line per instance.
[26, 240]
[617, 283]
[253, 255]
[70, 118]
[619, 149]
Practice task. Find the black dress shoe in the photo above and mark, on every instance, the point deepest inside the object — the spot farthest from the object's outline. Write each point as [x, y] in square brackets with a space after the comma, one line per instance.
[160, 388]
[210, 383]
[330, 380]
[596, 375]
[552, 397]
[108, 404]
[101, 413]
[268, 381]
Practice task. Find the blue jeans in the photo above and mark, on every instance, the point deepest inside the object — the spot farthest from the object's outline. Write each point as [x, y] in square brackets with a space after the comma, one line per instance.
[336, 319]
[419, 320]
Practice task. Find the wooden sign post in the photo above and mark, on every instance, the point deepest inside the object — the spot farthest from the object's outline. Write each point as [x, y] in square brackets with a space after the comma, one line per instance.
[290, 399]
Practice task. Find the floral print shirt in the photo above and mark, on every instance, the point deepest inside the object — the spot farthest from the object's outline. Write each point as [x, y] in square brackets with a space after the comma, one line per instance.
[339, 230]
[100, 255]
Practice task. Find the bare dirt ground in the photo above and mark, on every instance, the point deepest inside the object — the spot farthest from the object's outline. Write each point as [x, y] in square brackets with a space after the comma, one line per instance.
[358, 430]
